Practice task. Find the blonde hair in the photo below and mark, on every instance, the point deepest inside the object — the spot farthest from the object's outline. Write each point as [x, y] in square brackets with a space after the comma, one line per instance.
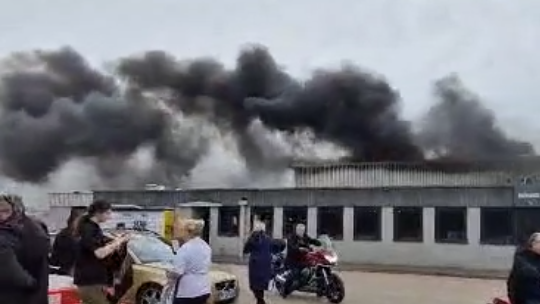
[259, 226]
[188, 227]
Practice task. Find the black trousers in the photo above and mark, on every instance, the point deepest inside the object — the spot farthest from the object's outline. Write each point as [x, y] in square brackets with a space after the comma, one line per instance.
[294, 279]
[259, 296]
[197, 300]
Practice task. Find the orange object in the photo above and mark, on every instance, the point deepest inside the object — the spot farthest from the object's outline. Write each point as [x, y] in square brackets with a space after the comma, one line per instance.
[64, 296]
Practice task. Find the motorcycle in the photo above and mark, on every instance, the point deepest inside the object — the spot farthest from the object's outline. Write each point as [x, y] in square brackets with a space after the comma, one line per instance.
[318, 277]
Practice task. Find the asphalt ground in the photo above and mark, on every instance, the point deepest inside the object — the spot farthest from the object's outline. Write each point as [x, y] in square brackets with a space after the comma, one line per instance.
[383, 288]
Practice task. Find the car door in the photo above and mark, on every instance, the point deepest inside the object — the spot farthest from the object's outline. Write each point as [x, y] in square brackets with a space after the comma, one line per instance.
[122, 277]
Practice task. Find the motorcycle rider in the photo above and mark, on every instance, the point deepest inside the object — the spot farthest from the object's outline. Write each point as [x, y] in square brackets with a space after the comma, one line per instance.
[298, 245]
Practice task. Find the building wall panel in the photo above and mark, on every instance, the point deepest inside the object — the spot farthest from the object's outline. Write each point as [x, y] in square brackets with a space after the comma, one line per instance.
[374, 175]
[142, 198]
[428, 253]
[404, 254]
[405, 196]
[70, 199]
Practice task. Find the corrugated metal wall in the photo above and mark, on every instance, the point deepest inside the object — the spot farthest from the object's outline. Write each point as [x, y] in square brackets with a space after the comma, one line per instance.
[70, 199]
[379, 175]
[443, 196]
[143, 197]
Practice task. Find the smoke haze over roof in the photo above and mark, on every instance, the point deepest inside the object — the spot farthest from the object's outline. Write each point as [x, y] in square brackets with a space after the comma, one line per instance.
[177, 109]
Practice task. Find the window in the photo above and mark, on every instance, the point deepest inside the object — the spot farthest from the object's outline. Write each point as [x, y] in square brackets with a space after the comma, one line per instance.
[527, 221]
[264, 214]
[330, 222]
[367, 223]
[408, 225]
[228, 221]
[451, 225]
[496, 226]
[293, 216]
[150, 249]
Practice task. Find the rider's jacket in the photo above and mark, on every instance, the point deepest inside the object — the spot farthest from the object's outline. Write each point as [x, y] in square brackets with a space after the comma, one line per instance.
[295, 244]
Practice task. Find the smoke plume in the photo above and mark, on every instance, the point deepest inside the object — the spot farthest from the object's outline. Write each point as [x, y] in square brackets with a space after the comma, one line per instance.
[56, 108]
[459, 127]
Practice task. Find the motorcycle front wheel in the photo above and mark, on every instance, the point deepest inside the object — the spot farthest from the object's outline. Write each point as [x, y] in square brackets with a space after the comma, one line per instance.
[335, 292]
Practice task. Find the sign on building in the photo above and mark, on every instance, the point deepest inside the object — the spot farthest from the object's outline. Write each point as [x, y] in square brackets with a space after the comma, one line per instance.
[527, 191]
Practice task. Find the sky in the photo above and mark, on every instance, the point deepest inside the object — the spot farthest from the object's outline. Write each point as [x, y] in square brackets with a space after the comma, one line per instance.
[491, 44]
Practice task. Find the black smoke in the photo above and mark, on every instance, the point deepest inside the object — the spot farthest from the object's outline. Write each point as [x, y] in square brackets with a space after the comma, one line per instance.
[460, 127]
[55, 107]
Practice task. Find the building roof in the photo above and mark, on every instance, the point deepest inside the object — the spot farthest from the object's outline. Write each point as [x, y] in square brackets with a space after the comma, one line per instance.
[522, 164]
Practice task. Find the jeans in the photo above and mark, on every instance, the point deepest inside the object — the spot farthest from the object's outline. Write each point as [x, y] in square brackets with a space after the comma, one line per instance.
[93, 294]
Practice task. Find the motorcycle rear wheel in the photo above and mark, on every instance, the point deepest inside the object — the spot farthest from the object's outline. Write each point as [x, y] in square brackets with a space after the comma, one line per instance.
[335, 292]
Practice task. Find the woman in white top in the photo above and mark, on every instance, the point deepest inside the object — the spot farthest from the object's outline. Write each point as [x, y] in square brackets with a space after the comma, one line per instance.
[192, 263]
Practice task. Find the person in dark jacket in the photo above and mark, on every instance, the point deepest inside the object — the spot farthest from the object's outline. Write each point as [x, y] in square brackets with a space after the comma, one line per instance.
[92, 274]
[259, 247]
[65, 246]
[524, 280]
[24, 250]
[298, 245]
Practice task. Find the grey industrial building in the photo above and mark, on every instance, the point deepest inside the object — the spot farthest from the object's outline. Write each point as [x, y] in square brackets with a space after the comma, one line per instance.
[436, 214]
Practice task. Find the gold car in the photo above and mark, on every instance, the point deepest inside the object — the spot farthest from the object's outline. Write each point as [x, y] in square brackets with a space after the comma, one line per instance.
[144, 272]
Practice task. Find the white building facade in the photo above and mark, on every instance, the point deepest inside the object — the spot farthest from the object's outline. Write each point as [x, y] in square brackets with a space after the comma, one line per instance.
[379, 214]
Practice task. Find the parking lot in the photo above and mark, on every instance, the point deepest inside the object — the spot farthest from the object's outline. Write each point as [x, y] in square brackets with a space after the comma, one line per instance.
[377, 288]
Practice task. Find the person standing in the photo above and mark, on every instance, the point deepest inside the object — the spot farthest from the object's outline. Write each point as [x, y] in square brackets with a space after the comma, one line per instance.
[523, 282]
[91, 273]
[24, 250]
[259, 247]
[65, 246]
[192, 264]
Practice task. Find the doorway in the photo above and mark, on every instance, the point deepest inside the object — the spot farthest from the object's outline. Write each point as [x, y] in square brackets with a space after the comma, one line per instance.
[203, 213]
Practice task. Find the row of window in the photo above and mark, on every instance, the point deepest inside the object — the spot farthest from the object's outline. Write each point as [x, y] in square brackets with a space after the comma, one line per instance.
[498, 226]
[451, 223]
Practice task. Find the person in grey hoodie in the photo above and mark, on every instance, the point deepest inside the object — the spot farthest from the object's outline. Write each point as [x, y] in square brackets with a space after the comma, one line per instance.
[24, 249]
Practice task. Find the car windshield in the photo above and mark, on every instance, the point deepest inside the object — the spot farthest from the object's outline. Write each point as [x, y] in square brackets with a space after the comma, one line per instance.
[150, 249]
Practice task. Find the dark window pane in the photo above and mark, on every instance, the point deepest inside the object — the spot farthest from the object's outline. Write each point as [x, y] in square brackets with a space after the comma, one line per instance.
[264, 214]
[228, 221]
[408, 226]
[451, 225]
[496, 226]
[527, 222]
[367, 223]
[293, 216]
[330, 222]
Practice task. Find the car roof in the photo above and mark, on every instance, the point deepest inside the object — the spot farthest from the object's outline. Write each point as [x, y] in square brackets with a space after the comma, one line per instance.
[116, 232]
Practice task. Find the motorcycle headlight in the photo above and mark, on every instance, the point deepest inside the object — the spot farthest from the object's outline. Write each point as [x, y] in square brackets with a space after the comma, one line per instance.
[331, 258]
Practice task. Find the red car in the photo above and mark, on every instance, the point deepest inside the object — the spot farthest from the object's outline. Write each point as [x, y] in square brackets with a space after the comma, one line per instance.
[62, 290]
